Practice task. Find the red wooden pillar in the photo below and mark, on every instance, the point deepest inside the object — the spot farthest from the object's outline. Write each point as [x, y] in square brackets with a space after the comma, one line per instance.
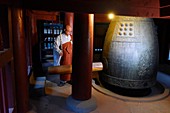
[20, 60]
[69, 19]
[82, 56]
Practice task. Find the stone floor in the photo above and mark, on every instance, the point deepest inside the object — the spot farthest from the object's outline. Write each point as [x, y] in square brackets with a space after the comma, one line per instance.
[54, 100]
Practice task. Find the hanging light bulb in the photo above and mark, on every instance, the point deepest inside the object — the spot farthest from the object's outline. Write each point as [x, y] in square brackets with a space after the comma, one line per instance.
[111, 15]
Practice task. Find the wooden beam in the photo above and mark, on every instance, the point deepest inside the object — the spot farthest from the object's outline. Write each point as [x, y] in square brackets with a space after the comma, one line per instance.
[101, 18]
[45, 12]
[64, 69]
[144, 8]
[43, 15]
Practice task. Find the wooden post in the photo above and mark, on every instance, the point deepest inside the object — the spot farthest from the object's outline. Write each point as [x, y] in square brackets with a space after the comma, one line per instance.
[69, 18]
[20, 61]
[82, 56]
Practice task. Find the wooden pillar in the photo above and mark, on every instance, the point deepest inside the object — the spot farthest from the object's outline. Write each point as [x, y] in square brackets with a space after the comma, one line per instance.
[82, 56]
[36, 55]
[69, 18]
[20, 60]
[28, 37]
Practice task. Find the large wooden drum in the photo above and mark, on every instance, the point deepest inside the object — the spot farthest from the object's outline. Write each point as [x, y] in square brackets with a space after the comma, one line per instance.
[130, 53]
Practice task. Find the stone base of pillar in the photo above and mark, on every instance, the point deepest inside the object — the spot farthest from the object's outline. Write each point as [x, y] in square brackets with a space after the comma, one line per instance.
[81, 106]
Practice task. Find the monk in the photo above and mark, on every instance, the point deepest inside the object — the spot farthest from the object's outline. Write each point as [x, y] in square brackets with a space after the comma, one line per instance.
[63, 45]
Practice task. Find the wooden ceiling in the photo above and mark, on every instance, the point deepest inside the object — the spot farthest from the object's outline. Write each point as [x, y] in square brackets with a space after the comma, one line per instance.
[141, 8]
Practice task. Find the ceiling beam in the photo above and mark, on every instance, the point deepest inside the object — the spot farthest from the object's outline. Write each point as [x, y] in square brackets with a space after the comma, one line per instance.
[142, 8]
